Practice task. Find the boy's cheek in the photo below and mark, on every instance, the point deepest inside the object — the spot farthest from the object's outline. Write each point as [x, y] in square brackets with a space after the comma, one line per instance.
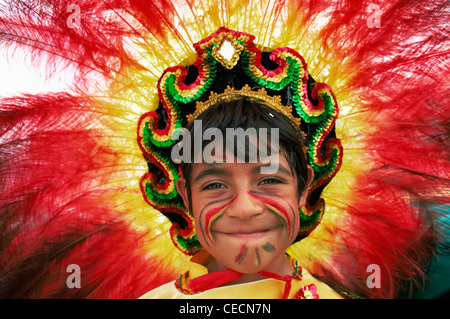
[207, 216]
[283, 209]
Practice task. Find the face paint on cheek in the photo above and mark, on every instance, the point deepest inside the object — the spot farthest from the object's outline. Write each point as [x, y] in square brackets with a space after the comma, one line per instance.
[282, 216]
[278, 210]
[212, 216]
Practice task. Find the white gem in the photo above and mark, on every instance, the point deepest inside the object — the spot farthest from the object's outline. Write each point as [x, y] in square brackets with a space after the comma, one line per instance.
[227, 50]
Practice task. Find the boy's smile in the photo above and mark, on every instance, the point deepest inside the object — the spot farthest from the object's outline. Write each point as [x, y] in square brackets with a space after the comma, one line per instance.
[245, 219]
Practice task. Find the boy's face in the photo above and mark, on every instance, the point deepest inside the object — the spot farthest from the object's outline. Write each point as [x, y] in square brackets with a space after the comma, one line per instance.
[243, 218]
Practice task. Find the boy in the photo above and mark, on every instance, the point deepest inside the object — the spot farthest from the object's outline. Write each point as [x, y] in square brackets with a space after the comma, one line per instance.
[245, 219]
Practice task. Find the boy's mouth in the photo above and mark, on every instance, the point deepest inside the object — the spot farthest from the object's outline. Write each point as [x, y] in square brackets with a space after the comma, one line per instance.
[247, 233]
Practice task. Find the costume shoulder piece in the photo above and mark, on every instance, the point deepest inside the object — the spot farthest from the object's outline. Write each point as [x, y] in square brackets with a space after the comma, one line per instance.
[301, 285]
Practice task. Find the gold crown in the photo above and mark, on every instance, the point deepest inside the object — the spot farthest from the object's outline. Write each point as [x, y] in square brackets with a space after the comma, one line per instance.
[230, 94]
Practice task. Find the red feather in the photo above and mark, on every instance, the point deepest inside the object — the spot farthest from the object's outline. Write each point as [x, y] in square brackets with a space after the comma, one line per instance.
[52, 164]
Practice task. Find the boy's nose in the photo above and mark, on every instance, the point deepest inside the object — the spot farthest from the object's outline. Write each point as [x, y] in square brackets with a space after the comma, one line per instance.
[245, 206]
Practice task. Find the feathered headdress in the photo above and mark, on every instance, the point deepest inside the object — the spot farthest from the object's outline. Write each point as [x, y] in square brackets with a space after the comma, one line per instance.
[71, 166]
[228, 63]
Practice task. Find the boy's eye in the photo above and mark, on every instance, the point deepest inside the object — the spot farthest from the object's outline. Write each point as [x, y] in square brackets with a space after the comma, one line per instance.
[214, 186]
[269, 181]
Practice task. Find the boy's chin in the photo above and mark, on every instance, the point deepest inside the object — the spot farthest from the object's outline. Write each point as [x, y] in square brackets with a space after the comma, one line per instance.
[250, 264]
[247, 256]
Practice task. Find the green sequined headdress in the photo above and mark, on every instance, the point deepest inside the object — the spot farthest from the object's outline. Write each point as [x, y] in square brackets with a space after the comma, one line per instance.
[229, 62]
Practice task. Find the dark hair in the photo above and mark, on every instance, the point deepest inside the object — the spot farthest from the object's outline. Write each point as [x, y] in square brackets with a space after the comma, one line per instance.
[250, 113]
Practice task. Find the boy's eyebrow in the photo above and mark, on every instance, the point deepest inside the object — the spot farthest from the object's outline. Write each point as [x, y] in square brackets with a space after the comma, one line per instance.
[281, 168]
[213, 170]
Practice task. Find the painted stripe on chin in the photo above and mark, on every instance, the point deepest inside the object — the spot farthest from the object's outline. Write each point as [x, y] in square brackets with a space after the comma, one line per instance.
[257, 257]
[240, 257]
[268, 247]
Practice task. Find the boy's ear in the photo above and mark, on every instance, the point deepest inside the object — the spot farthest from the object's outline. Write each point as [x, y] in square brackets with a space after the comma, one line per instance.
[304, 196]
[182, 190]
